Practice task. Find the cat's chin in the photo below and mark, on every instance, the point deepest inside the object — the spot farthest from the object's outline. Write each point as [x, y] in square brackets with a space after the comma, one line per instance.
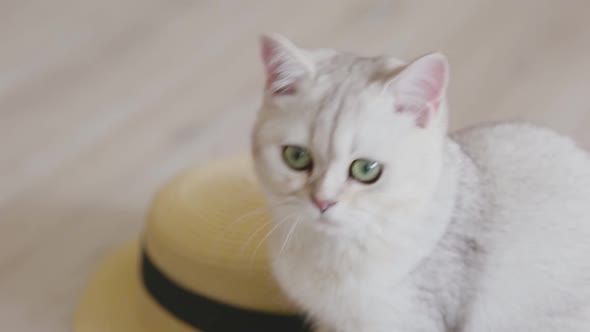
[328, 222]
[326, 225]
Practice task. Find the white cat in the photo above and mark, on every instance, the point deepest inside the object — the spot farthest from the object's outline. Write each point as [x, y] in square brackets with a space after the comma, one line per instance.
[386, 223]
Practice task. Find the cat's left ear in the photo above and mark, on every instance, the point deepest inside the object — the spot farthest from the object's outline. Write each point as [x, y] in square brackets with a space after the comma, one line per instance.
[421, 86]
[286, 66]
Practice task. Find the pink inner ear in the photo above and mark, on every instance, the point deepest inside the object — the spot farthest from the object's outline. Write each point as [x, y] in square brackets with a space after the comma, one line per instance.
[274, 65]
[420, 86]
[422, 111]
[424, 81]
[437, 81]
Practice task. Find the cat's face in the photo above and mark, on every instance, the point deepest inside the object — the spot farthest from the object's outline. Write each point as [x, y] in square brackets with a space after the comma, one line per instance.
[347, 144]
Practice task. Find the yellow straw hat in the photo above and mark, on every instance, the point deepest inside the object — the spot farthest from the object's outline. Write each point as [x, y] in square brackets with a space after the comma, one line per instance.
[201, 264]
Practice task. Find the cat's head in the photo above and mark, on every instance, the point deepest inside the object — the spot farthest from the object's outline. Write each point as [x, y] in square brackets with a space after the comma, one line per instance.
[345, 143]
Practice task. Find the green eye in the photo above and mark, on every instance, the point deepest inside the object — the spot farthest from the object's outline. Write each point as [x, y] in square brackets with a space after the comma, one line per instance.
[297, 158]
[365, 171]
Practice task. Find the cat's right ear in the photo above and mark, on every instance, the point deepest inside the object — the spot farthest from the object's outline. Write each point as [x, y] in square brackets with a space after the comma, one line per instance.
[285, 65]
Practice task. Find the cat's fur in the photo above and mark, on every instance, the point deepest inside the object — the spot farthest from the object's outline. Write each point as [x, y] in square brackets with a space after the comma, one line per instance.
[485, 229]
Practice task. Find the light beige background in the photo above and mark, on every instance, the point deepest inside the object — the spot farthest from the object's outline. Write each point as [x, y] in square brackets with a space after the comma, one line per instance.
[102, 101]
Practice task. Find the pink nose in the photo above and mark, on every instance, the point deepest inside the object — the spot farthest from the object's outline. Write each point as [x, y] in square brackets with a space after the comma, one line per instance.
[323, 205]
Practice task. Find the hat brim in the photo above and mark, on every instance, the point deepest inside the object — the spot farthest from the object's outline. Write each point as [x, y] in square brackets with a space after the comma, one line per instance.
[115, 300]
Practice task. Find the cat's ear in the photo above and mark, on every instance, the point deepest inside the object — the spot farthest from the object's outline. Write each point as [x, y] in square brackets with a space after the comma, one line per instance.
[285, 65]
[421, 86]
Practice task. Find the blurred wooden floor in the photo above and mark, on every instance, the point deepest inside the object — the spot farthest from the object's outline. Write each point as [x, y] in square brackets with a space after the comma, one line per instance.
[102, 101]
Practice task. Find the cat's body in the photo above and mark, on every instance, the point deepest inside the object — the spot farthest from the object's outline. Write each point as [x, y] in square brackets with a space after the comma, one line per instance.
[485, 230]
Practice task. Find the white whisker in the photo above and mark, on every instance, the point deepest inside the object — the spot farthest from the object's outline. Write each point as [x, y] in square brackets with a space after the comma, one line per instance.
[289, 235]
[237, 221]
[287, 218]
[251, 237]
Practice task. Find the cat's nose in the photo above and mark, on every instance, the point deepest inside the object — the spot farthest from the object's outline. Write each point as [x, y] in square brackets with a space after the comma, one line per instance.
[322, 204]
